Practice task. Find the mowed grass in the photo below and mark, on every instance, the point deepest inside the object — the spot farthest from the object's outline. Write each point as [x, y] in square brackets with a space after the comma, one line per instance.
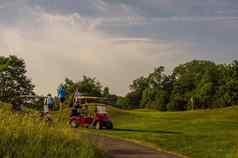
[26, 136]
[196, 134]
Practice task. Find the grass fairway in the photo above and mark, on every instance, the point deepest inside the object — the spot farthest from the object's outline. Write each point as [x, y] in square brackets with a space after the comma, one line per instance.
[26, 136]
[197, 134]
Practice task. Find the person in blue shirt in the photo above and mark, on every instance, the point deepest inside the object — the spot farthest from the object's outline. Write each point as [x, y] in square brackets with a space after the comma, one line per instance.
[61, 95]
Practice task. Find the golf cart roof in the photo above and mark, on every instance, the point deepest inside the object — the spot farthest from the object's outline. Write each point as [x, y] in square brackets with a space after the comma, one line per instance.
[92, 101]
[88, 97]
[31, 96]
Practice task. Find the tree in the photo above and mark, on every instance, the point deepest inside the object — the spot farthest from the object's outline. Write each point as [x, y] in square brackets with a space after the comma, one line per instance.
[123, 102]
[87, 86]
[106, 92]
[152, 91]
[70, 86]
[90, 86]
[137, 88]
[148, 98]
[192, 80]
[233, 84]
[13, 81]
[228, 91]
[193, 85]
[156, 78]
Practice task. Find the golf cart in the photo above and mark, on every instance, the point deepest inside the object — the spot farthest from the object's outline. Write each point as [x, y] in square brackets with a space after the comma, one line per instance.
[90, 112]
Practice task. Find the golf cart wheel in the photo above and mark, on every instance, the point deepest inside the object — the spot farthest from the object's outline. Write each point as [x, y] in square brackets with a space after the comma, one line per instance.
[73, 124]
[99, 125]
[109, 125]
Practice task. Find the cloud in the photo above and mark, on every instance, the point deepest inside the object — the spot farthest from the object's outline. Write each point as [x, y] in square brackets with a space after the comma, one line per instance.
[57, 46]
[196, 18]
[170, 8]
[115, 41]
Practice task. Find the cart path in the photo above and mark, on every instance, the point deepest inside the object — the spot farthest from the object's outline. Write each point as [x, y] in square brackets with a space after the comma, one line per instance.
[118, 148]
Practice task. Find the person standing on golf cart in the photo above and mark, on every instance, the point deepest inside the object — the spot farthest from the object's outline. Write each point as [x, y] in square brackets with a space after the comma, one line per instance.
[61, 95]
[77, 101]
[76, 109]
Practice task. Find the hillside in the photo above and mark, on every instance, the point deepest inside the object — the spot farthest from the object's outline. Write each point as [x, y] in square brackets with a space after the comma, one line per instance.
[197, 134]
[26, 136]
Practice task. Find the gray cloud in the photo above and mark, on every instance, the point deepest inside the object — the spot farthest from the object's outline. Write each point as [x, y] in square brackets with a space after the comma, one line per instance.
[116, 40]
[168, 8]
[64, 46]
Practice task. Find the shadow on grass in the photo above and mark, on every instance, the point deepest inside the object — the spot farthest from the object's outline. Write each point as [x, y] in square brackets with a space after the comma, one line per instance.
[145, 131]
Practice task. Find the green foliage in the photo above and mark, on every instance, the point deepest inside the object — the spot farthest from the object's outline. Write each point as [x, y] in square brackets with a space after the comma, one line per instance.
[197, 84]
[230, 93]
[87, 86]
[13, 80]
[123, 102]
[147, 97]
[137, 88]
[106, 92]
[152, 91]
[90, 86]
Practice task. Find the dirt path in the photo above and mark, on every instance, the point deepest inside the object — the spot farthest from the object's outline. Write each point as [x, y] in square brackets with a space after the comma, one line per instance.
[124, 149]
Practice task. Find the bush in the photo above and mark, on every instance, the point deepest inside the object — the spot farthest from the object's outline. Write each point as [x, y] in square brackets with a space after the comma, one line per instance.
[177, 103]
[123, 102]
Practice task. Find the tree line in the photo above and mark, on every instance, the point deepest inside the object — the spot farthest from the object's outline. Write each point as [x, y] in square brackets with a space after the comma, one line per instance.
[88, 87]
[17, 89]
[198, 84]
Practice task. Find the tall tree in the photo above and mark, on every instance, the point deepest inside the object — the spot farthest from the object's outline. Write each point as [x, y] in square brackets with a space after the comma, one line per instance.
[87, 86]
[106, 92]
[13, 80]
[137, 88]
[228, 92]
[193, 85]
[153, 95]
[90, 86]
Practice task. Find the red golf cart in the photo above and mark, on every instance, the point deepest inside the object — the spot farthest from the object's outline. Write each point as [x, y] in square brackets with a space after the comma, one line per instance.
[90, 112]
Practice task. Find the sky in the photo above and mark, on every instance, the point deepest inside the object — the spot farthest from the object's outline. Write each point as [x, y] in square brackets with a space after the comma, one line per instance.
[115, 41]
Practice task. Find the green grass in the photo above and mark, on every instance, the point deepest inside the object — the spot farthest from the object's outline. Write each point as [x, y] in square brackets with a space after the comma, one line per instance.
[26, 136]
[196, 134]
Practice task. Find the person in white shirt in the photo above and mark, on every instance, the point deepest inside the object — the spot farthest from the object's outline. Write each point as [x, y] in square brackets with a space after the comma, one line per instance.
[77, 95]
[49, 101]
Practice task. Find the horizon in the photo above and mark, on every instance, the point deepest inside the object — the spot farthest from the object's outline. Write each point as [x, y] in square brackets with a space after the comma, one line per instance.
[105, 39]
[144, 75]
